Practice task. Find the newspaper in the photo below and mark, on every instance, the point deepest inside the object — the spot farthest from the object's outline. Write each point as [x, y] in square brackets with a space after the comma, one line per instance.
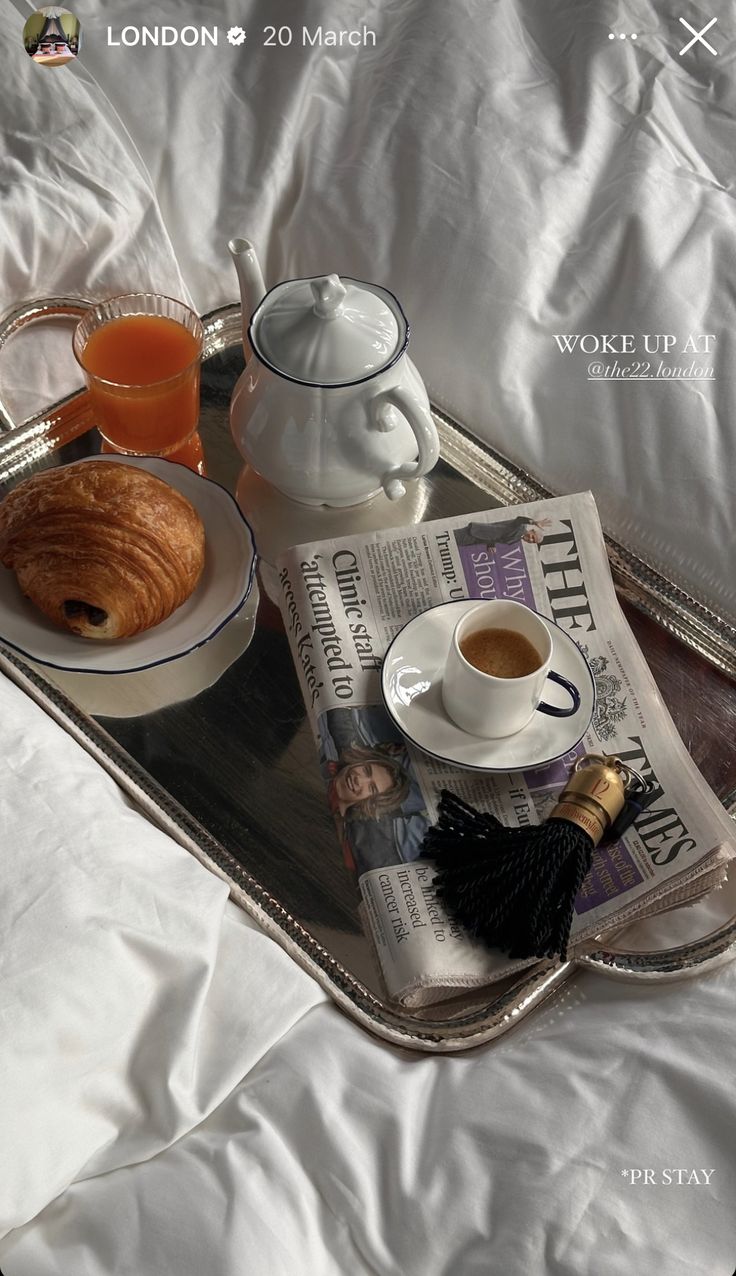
[344, 600]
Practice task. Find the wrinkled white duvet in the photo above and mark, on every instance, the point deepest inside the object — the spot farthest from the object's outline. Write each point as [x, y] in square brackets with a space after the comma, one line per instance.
[175, 1095]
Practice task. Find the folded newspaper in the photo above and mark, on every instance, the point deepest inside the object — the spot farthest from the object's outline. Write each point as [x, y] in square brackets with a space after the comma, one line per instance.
[344, 600]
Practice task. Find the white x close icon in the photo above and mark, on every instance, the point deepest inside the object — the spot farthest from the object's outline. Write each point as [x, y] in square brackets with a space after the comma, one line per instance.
[698, 37]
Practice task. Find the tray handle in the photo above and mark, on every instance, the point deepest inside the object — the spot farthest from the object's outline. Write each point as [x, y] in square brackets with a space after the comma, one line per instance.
[28, 312]
[695, 957]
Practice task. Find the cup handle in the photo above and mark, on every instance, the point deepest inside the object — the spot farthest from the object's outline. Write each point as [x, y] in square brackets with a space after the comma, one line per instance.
[571, 690]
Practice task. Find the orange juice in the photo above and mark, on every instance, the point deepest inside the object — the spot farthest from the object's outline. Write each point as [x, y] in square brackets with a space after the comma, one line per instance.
[143, 379]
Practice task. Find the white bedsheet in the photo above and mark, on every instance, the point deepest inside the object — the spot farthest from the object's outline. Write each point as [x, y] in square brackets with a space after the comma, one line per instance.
[176, 1095]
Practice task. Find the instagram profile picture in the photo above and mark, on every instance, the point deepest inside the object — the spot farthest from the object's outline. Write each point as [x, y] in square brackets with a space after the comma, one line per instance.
[52, 36]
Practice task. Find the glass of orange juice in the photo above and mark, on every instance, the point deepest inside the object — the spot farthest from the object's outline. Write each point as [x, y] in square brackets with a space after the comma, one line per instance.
[141, 356]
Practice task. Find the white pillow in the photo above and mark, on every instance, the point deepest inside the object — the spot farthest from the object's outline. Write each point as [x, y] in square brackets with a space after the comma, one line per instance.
[131, 1001]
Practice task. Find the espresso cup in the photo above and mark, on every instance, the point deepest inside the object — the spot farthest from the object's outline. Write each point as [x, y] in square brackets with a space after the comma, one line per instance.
[493, 707]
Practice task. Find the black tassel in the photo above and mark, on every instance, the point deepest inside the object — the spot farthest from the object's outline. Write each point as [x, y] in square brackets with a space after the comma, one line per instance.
[515, 888]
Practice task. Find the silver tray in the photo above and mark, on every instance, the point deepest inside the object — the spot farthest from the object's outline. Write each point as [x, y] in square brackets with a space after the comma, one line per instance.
[217, 749]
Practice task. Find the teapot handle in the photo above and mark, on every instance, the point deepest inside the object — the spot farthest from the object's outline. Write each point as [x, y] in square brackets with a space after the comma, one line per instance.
[418, 415]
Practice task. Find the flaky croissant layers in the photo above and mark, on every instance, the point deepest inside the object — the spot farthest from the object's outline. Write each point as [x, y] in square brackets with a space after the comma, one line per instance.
[103, 549]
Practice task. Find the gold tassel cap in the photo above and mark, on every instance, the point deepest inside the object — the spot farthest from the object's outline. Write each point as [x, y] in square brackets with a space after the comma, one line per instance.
[594, 795]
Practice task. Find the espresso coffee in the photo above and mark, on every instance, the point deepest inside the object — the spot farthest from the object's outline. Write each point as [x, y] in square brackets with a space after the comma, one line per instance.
[504, 653]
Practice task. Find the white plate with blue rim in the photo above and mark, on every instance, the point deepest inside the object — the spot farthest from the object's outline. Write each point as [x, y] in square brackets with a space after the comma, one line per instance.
[411, 685]
[227, 579]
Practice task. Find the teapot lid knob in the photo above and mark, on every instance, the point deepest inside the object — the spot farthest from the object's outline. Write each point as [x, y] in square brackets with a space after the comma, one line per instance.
[329, 293]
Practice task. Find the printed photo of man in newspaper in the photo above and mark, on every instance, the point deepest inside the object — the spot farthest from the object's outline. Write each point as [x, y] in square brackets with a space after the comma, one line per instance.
[508, 532]
[371, 787]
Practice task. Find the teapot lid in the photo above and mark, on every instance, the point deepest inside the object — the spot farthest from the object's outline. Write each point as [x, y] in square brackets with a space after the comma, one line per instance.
[328, 331]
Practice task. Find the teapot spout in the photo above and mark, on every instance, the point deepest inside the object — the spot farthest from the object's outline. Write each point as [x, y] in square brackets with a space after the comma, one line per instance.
[250, 279]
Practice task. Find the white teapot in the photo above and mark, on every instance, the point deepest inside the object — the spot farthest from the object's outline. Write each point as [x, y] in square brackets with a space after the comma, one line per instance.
[330, 409]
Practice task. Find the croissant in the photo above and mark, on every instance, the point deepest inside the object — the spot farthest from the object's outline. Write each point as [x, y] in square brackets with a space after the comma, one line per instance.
[103, 549]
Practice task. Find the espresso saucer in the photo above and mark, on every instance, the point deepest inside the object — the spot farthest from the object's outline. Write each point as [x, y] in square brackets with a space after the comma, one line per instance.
[411, 684]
